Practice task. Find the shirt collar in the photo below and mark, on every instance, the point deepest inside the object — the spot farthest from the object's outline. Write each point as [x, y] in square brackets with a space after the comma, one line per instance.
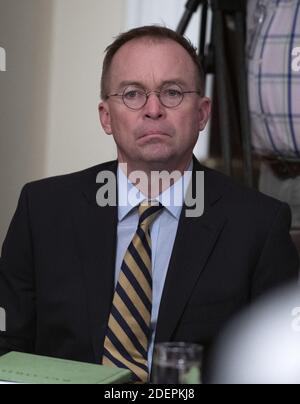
[173, 204]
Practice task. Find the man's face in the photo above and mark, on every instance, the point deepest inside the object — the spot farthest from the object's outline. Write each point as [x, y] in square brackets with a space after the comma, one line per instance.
[154, 134]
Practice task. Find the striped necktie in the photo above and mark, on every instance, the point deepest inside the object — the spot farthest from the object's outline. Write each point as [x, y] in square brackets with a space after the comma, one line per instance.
[128, 333]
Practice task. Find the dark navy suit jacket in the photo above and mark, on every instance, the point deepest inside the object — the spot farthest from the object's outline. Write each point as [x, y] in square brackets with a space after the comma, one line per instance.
[58, 264]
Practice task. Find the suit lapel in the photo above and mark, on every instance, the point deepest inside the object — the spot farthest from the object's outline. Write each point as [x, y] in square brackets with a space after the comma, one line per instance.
[96, 231]
[195, 240]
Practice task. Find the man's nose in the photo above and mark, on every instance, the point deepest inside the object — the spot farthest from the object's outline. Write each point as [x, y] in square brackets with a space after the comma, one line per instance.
[154, 109]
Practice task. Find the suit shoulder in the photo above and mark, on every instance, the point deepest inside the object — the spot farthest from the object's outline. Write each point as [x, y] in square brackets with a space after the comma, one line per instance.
[69, 181]
[239, 194]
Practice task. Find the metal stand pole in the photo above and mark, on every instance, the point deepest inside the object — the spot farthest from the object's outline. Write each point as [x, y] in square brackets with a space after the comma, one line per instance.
[222, 80]
[244, 101]
[190, 8]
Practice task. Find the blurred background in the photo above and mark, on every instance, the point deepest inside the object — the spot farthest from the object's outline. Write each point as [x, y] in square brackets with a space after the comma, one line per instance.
[49, 93]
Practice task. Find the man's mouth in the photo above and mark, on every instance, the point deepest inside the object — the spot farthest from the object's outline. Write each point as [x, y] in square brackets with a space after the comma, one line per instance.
[153, 133]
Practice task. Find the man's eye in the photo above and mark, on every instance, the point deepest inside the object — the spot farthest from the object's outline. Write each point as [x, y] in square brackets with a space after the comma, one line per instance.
[173, 93]
[132, 94]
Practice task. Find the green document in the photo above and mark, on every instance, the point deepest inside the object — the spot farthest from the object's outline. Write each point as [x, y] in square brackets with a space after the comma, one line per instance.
[33, 369]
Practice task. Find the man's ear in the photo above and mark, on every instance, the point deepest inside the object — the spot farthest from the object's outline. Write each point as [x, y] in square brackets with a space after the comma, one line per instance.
[204, 112]
[104, 115]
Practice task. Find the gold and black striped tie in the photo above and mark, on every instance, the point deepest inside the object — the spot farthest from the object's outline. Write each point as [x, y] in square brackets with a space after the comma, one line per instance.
[128, 333]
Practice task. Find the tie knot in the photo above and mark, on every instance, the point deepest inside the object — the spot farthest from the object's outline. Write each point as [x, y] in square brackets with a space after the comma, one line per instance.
[148, 212]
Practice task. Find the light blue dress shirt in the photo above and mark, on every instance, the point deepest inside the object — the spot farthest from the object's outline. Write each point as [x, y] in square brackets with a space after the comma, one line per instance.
[163, 234]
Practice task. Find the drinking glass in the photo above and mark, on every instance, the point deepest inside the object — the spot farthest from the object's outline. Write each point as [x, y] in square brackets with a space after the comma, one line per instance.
[177, 363]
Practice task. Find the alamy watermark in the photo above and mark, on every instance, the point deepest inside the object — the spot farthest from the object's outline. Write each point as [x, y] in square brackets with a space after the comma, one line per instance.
[296, 59]
[2, 60]
[160, 183]
[2, 320]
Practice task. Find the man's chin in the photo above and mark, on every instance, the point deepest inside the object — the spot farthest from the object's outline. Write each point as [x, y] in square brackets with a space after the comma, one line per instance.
[156, 154]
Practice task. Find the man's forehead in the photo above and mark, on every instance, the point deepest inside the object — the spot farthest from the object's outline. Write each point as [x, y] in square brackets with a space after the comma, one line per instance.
[141, 46]
[140, 58]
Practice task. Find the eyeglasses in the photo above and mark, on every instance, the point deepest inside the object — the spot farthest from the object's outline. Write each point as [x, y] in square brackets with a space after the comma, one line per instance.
[170, 96]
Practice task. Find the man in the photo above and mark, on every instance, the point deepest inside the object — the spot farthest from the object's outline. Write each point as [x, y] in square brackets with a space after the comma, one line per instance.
[102, 284]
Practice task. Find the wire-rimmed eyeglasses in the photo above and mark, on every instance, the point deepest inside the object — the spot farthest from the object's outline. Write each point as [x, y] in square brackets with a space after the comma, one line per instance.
[170, 96]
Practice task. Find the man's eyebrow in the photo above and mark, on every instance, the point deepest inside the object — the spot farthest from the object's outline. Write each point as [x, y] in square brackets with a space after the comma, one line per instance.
[128, 83]
[179, 82]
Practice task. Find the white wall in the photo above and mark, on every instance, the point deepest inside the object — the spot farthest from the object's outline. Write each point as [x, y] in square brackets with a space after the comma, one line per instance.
[25, 31]
[50, 91]
[82, 29]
